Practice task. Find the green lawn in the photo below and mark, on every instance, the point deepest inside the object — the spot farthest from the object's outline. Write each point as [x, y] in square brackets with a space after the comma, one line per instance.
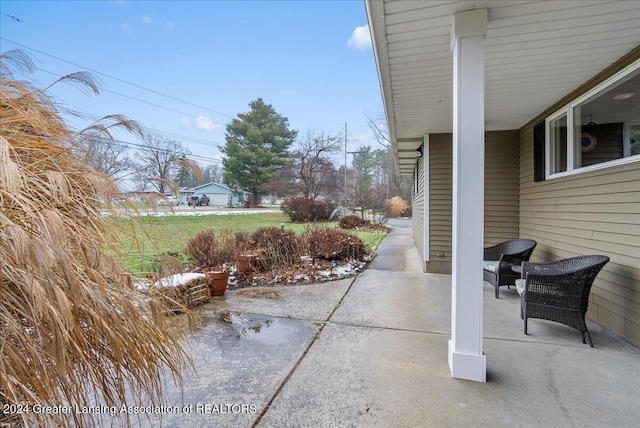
[143, 239]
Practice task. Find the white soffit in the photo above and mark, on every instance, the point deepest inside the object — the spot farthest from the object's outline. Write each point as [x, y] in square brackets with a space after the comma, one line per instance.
[536, 52]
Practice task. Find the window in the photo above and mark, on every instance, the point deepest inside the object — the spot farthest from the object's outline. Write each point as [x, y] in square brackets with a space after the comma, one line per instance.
[599, 129]
[557, 138]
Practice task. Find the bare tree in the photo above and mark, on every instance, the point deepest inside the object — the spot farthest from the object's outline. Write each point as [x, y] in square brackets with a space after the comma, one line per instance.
[397, 185]
[313, 169]
[98, 148]
[158, 160]
[140, 181]
[211, 173]
[379, 128]
[104, 155]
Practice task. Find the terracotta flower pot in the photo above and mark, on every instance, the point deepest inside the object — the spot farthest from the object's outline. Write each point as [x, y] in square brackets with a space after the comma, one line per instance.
[218, 282]
[246, 263]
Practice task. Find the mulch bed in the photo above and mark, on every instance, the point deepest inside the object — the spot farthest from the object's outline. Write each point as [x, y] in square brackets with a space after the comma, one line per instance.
[307, 271]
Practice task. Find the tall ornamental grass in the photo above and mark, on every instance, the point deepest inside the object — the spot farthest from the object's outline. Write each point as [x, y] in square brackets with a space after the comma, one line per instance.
[73, 330]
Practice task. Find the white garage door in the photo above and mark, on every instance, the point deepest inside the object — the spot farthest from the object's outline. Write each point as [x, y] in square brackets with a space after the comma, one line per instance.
[217, 198]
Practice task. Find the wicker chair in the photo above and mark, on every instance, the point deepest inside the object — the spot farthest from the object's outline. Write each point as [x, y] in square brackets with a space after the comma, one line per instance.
[499, 259]
[559, 291]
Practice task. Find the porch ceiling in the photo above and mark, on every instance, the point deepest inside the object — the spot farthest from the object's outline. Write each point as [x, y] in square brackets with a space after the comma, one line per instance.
[535, 53]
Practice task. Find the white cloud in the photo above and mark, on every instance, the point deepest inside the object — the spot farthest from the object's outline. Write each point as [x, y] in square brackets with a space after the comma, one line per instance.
[147, 20]
[127, 27]
[121, 3]
[184, 123]
[360, 38]
[170, 24]
[206, 124]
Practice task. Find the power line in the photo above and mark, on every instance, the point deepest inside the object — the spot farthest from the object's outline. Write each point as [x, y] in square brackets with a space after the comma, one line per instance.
[115, 78]
[96, 118]
[193, 140]
[141, 146]
[130, 97]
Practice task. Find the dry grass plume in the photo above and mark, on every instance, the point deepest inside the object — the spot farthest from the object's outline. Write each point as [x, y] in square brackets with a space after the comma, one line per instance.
[73, 330]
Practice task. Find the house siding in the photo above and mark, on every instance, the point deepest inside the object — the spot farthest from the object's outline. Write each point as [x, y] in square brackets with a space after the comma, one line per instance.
[501, 186]
[440, 202]
[219, 194]
[595, 212]
[501, 194]
[417, 207]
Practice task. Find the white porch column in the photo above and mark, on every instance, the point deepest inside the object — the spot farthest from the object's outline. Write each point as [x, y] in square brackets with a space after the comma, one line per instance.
[466, 357]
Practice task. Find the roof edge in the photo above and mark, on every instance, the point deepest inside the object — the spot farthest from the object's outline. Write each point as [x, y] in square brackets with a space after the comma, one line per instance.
[377, 25]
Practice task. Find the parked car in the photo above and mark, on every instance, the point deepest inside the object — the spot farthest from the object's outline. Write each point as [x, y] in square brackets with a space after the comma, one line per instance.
[170, 200]
[198, 199]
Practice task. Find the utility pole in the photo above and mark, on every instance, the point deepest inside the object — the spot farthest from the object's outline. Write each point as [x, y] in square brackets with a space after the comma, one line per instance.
[354, 170]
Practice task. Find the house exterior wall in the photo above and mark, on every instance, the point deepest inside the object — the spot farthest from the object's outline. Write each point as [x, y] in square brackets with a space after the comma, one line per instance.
[596, 212]
[501, 194]
[501, 186]
[440, 202]
[417, 208]
[219, 194]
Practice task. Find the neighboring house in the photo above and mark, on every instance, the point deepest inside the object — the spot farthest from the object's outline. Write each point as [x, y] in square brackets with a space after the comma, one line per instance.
[219, 194]
[532, 111]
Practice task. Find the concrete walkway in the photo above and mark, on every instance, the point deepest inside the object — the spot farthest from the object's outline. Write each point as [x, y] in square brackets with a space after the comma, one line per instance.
[373, 352]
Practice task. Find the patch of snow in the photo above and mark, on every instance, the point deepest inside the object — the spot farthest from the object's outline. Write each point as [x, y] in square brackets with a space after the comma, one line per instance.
[191, 213]
[342, 271]
[178, 279]
[142, 286]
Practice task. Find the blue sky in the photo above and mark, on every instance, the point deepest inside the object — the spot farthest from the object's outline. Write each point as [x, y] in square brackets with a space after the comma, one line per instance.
[308, 59]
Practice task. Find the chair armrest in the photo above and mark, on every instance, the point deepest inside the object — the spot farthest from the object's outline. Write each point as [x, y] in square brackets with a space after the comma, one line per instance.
[540, 269]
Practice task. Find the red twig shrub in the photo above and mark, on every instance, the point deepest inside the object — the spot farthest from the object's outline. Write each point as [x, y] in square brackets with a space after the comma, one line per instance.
[210, 249]
[309, 209]
[332, 244]
[278, 248]
[351, 222]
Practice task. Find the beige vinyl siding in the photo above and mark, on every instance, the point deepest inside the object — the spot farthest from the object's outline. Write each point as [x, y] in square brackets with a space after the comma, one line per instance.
[596, 212]
[501, 186]
[501, 194]
[440, 202]
[417, 207]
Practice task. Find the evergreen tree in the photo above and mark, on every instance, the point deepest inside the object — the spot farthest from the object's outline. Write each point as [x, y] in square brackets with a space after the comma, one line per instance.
[257, 145]
[184, 176]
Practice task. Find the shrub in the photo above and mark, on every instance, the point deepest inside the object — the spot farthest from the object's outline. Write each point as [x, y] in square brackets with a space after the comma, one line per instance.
[243, 242]
[208, 249]
[332, 244]
[309, 209]
[351, 222]
[278, 248]
[397, 207]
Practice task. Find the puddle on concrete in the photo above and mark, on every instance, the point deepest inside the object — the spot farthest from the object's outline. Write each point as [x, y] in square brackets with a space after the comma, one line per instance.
[262, 329]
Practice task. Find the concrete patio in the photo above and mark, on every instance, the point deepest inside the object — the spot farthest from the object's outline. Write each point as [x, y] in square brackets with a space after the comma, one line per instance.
[373, 352]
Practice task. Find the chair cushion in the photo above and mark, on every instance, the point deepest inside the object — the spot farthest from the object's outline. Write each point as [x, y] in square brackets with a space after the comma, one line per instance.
[490, 265]
[520, 285]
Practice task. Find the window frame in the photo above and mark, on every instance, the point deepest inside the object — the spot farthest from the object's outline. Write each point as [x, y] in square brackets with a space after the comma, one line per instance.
[568, 110]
